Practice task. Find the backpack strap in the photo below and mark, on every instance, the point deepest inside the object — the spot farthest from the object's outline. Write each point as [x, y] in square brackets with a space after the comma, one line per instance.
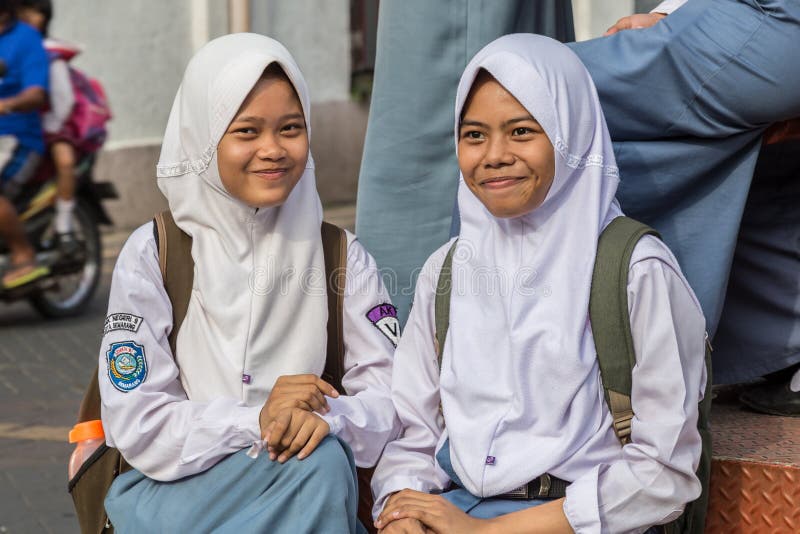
[610, 319]
[334, 247]
[441, 307]
[177, 268]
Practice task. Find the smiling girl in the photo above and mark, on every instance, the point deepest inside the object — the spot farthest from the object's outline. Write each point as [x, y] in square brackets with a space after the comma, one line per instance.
[510, 429]
[236, 170]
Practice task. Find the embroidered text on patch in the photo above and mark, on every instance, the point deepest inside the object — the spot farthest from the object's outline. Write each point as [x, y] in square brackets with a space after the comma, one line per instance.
[122, 321]
[127, 366]
[384, 317]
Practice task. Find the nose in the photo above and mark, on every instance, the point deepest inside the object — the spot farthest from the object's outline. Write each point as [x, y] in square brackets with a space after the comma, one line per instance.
[270, 148]
[498, 153]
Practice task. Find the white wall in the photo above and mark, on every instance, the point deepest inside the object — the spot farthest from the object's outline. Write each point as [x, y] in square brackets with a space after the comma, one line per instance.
[594, 17]
[138, 50]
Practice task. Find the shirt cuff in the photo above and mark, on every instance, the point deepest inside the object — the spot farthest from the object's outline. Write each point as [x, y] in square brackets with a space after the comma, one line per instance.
[668, 6]
[395, 484]
[581, 505]
[334, 416]
[247, 423]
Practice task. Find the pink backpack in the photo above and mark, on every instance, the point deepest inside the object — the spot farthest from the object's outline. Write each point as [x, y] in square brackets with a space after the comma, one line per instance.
[90, 113]
[86, 125]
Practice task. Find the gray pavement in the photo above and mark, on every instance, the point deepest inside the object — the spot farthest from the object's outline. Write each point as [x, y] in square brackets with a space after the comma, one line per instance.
[44, 368]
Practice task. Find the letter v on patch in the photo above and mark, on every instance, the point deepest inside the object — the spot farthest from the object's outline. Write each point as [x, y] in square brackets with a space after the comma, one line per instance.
[384, 318]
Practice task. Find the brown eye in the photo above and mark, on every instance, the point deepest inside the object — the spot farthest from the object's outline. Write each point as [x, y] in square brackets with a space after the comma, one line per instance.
[522, 130]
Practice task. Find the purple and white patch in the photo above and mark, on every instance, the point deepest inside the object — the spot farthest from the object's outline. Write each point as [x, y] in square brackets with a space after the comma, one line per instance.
[384, 317]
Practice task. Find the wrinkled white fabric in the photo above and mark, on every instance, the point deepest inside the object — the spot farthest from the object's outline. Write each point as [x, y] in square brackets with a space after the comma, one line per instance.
[166, 436]
[614, 489]
[258, 304]
[538, 315]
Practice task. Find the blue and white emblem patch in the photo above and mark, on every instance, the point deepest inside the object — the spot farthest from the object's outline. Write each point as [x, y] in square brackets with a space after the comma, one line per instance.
[127, 366]
[384, 317]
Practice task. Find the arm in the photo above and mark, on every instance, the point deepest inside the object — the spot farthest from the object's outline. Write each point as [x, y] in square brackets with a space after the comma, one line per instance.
[30, 99]
[640, 21]
[655, 474]
[408, 462]
[62, 99]
[158, 430]
[365, 418]
[34, 68]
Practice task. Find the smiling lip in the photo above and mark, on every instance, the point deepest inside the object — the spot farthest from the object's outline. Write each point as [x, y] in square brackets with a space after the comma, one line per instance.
[270, 174]
[500, 182]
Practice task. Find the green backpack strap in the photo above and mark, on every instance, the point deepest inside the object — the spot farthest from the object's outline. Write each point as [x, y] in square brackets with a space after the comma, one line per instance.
[441, 305]
[608, 313]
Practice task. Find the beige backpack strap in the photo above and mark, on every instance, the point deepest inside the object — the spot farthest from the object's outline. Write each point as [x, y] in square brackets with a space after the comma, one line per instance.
[177, 268]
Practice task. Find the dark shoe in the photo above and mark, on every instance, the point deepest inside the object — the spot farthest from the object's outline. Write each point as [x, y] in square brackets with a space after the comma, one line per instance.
[68, 247]
[773, 399]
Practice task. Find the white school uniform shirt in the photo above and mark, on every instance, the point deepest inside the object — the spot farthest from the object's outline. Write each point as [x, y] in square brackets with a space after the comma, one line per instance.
[614, 489]
[166, 435]
[519, 383]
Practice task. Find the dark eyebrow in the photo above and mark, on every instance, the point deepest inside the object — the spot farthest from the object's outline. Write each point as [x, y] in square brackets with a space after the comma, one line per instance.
[520, 119]
[468, 122]
[251, 118]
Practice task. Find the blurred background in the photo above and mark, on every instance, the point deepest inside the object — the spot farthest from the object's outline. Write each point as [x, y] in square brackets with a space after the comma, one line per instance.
[138, 51]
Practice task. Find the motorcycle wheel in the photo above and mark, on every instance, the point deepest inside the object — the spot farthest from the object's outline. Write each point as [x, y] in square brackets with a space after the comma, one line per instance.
[71, 292]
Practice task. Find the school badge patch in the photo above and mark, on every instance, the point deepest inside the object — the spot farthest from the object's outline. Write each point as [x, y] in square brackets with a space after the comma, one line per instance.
[127, 366]
[384, 317]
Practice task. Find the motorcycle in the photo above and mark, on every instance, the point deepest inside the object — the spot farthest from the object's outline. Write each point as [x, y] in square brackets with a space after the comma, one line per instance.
[74, 273]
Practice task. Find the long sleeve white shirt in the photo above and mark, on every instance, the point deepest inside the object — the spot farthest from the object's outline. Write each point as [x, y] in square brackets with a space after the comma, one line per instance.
[166, 435]
[614, 489]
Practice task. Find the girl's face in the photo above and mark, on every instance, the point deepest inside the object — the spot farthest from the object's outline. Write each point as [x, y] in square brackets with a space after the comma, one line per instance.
[263, 153]
[505, 157]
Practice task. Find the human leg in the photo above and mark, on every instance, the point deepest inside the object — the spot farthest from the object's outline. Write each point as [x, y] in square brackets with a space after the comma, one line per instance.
[16, 166]
[686, 101]
[239, 494]
[64, 159]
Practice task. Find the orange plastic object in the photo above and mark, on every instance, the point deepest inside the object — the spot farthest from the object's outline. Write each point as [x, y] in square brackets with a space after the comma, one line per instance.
[755, 473]
[87, 430]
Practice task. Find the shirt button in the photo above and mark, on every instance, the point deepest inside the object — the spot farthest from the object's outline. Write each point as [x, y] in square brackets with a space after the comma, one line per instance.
[490, 460]
[246, 379]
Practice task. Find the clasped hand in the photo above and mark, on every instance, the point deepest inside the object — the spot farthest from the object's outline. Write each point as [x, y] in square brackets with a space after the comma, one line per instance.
[289, 421]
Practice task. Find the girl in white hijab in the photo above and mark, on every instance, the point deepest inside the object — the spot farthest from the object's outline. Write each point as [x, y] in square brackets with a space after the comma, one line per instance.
[519, 397]
[236, 170]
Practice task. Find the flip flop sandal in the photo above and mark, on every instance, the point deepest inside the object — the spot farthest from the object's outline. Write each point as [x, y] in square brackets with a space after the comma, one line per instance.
[28, 276]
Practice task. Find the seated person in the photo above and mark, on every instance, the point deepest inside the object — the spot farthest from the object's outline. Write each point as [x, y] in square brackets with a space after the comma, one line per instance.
[238, 175]
[518, 394]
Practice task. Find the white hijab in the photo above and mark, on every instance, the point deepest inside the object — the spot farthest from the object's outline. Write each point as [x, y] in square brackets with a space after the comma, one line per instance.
[258, 305]
[519, 381]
